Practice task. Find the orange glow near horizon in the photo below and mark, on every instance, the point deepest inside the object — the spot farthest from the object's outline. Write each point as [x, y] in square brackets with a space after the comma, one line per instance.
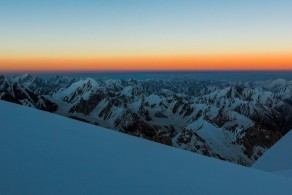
[234, 62]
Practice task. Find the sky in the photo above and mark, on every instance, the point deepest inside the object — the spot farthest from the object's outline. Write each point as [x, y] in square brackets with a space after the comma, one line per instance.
[116, 35]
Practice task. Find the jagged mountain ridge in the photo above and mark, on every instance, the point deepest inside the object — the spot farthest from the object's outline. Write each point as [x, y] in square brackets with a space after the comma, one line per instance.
[19, 94]
[232, 121]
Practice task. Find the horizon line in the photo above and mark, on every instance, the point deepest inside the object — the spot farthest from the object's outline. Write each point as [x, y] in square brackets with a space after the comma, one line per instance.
[143, 71]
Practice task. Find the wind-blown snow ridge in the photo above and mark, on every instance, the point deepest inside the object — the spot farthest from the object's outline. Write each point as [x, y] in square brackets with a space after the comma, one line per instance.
[42, 153]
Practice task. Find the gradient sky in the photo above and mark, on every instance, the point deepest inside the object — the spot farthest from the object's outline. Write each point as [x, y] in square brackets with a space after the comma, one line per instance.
[40, 35]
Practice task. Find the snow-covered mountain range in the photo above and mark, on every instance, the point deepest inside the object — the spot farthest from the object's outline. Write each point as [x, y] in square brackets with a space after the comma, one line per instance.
[232, 121]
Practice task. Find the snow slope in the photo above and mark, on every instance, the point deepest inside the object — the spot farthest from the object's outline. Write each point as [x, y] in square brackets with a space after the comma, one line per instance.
[287, 173]
[278, 159]
[42, 153]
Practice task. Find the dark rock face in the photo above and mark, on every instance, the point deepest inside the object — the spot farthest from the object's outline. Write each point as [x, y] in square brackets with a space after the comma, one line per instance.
[47, 105]
[257, 136]
[106, 111]
[143, 111]
[9, 98]
[3, 84]
[236, 122]
[19, 94]
[86, 106]
[4, 91]
[131, 123]
[2, 80]
[199, 146]
[22, 93]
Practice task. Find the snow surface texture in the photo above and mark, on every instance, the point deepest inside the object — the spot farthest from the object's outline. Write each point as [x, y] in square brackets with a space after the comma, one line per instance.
[42, 153]
[277, 159]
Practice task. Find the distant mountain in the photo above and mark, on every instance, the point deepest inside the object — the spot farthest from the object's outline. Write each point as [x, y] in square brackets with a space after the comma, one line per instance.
[233, 121]
[17, 93]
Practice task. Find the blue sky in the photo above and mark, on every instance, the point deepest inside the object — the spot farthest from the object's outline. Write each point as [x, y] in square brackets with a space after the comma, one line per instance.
[134, 28]
[183, 24]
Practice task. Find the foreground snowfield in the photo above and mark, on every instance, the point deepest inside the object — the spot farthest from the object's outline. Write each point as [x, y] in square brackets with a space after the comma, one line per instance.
[42, 153]
[277, 159]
